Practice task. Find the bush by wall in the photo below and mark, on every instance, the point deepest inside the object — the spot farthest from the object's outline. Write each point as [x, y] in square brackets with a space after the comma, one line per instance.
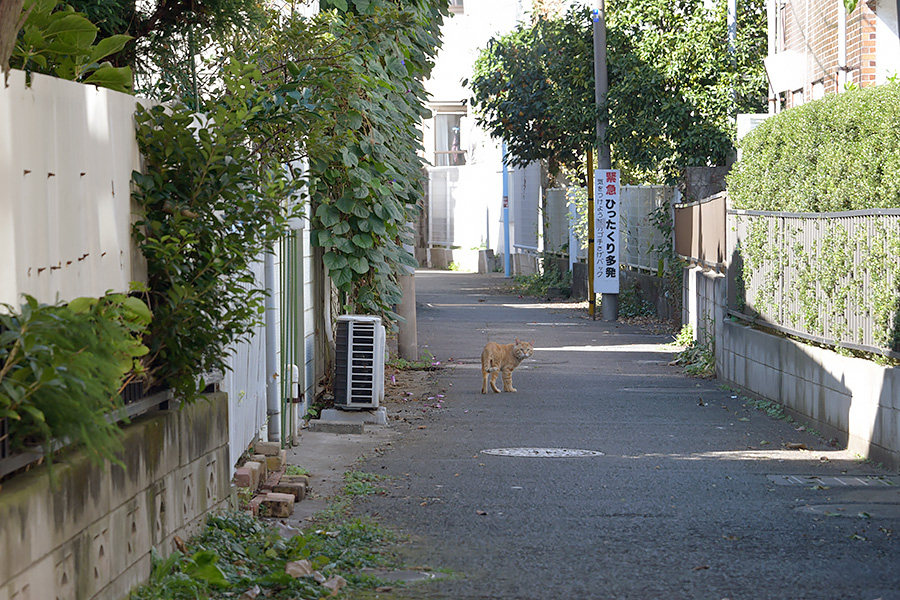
[835, 154]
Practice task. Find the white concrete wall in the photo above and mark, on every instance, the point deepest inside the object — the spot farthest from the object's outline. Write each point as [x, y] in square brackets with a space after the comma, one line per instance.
[67, 151]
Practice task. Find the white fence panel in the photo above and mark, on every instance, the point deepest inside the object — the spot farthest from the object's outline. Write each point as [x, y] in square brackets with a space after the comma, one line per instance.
[556, 236]
[245, 385]
[640, 237]
[67, 151]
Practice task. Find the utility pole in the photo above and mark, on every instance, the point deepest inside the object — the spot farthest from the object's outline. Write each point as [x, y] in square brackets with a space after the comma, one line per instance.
[610, 302]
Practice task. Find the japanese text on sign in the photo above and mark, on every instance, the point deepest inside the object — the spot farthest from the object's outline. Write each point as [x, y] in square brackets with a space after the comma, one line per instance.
[606, 231]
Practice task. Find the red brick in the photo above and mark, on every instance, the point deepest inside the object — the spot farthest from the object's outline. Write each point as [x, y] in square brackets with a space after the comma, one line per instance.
[243, 477]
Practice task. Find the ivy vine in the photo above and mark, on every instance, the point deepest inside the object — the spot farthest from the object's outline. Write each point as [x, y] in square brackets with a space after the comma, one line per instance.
[367, 186]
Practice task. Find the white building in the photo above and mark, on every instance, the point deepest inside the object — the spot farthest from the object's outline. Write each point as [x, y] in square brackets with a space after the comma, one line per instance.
[463, 211]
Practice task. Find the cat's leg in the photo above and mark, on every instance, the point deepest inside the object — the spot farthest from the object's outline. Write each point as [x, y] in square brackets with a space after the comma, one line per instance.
[507, 381]
[494, 375]
[484, 380]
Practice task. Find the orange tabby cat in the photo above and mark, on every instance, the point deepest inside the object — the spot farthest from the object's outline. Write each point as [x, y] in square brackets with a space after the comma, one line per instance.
[499, 359]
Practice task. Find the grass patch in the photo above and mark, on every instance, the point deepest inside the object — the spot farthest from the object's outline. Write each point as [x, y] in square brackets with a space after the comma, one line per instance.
[237, 552]
[426, 362]
[698, 359]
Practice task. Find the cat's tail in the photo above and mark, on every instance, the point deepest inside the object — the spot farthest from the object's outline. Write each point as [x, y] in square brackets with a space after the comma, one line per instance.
[491, 368]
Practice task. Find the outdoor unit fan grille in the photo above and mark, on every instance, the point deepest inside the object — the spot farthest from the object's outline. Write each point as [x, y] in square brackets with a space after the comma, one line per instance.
[359, 364]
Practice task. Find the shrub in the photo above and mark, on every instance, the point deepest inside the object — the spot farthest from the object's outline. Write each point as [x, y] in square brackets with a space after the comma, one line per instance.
[835, 154]
[62, 367]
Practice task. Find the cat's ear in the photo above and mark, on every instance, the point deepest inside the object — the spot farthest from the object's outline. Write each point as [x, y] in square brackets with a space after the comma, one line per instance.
[517, 341]
[532, 342]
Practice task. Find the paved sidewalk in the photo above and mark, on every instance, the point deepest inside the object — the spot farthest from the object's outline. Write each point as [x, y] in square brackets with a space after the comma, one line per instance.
[685, 490]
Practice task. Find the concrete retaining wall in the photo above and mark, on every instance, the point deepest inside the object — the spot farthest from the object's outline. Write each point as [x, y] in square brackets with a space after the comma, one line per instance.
[851, 399]
[91, 535]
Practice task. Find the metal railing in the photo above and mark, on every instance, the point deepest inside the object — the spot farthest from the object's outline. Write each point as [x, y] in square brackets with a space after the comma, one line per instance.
[135, 400]
[828, 277]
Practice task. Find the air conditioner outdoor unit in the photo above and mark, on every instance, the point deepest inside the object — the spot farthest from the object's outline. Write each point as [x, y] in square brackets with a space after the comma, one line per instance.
[359, 364]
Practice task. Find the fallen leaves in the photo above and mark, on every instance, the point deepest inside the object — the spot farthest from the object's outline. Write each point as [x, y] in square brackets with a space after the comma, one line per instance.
[303, 568]
[795, 446]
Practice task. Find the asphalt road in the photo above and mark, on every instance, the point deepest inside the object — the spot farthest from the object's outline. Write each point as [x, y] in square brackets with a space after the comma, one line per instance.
[695, 495]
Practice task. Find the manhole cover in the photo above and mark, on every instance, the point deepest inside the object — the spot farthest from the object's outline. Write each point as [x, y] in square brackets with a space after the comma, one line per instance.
[542, 452]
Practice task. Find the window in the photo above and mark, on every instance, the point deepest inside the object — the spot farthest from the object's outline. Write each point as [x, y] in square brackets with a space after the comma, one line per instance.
[448, 151]
[818, 90]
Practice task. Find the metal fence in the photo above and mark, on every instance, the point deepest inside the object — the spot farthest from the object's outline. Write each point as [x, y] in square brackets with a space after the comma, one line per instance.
[700, 231]
[830, 277]
[642, 240]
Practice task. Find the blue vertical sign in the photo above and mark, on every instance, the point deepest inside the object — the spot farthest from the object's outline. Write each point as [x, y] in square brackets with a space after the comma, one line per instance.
[606, 231]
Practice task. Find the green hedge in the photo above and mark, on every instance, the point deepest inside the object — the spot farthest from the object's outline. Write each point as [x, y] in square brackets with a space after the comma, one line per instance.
[835, 154]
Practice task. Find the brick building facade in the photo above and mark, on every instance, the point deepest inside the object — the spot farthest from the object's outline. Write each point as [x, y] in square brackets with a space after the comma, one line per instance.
[816, 47]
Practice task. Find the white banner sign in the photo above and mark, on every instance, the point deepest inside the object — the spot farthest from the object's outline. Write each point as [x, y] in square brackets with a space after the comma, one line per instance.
[606, 231]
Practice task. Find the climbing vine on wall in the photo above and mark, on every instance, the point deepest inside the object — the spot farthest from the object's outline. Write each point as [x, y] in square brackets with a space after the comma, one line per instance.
[366, 183]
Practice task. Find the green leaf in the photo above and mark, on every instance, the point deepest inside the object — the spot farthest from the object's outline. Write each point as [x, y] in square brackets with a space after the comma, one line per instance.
[107, 46]
[342, 278]
[328, 215]
[334, 261]
[118, 79]
[203, 566]
[72, 29]
[358, 264]
[363, 240]
[82, 305]
[139, 308]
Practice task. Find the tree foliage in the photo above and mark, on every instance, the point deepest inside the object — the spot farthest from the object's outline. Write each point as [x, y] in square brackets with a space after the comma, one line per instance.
[168, 35]
[673, 85]
[56, 40]
[340, 94]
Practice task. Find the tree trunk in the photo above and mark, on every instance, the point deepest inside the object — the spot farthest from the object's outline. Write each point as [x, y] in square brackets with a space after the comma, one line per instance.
[11, 21]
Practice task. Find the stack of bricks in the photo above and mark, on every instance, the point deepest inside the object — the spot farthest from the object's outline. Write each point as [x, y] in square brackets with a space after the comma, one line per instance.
[265, 473]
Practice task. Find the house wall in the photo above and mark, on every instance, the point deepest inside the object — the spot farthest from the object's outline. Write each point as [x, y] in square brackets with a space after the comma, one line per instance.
[90, 535]
[813, 29]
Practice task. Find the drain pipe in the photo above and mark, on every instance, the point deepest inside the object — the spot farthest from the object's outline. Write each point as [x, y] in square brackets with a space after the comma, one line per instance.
[273, 386]
[507, 247]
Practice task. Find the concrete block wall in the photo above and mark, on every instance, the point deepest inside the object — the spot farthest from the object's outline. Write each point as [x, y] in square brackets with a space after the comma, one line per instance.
[90, 535]
[851, 399]
[705, 298]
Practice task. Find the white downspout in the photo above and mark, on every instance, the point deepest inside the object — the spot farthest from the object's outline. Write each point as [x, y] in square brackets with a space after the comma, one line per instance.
[273, 385]
[842, 46]
[772, 18]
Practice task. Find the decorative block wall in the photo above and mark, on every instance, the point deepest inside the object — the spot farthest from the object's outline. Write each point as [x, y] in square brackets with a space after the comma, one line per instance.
[90, 536]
